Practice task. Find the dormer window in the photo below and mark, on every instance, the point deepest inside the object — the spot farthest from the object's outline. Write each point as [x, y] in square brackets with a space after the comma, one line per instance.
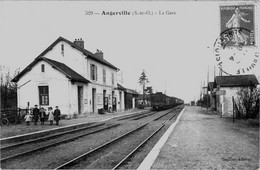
[62, 49]
[42, 68]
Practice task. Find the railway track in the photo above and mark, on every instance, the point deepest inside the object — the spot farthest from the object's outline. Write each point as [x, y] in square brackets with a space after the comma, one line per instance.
[11, 155]
[11, 145]
[75, 163]
[44, 138]
[6, 151]
[5, 157]
[134, 116]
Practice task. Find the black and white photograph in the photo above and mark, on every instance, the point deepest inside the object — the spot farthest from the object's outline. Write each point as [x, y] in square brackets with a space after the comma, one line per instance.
[142, 84]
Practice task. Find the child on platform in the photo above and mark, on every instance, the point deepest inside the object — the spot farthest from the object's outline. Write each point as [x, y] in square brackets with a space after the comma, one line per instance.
[27, 118]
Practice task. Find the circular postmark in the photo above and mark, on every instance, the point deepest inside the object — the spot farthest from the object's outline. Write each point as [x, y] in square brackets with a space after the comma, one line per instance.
[234, 52]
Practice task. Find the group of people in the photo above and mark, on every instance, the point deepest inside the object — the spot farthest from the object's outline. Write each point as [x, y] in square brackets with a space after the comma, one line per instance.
[40, 113]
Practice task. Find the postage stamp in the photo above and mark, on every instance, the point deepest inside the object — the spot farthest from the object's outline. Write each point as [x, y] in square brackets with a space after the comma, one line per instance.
[237, 17]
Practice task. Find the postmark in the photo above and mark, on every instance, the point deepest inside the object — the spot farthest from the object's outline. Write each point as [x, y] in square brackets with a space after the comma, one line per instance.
[234, 59]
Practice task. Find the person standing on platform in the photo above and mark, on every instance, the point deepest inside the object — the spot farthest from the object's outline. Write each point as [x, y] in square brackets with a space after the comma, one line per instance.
[50, 115]
[57, 115]
[42, 116]
[35, 114]
[27, 118]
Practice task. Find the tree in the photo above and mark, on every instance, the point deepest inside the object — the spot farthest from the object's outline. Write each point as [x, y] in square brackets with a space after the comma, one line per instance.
[8, 89]
[149, 90]
[248, 102]
[143, 80]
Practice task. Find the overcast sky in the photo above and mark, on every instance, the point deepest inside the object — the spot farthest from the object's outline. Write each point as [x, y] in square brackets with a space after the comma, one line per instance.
[174, 50]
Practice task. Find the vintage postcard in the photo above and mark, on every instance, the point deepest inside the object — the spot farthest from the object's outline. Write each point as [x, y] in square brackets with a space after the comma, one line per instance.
[144, 84]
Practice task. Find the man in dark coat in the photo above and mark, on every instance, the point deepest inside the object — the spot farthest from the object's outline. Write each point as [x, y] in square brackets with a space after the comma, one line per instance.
[35, 114]
[42, 115]
[57, 115]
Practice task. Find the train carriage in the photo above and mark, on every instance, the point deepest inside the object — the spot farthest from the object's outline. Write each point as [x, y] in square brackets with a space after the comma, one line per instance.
[160, 101]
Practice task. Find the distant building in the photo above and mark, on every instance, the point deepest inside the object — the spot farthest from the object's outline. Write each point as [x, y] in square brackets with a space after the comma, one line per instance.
[226, 87]
[130, 96]
[71, 77]
[212, 100]
[144, 100]
[131, 99]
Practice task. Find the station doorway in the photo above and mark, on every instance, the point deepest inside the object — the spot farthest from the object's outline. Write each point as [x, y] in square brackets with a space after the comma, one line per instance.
[93, 100]
[80, 99]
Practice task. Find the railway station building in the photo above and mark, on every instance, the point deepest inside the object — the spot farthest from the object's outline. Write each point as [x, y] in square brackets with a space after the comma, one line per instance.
[226, 87]
[130, 96]
[71, 77]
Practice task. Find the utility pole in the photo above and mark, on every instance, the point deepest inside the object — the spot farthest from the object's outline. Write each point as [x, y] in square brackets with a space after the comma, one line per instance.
[207, 87]
[200, 94]
[143, 92]
[165, 87]
[214, 72]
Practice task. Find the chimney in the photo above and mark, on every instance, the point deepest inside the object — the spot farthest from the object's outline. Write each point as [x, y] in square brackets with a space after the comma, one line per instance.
[99, 53]
[79, 42]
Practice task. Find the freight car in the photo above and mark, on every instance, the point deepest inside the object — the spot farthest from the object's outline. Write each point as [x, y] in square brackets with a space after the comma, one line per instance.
[160, 101]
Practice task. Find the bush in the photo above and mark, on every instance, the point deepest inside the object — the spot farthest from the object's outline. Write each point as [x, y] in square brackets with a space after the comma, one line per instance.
[248, 102]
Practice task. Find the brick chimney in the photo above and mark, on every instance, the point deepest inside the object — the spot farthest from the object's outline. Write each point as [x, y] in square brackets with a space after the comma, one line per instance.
[99, 53]
[79, 42]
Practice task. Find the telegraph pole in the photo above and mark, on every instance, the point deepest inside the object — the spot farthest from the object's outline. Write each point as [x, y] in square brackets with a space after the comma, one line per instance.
[207, 86]
[200, 94]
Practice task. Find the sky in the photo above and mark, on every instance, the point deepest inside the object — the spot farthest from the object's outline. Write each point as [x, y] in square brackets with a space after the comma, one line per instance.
[175, 49]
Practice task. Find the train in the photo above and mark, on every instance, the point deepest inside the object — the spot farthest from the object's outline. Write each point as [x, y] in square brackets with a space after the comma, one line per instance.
[160, 101]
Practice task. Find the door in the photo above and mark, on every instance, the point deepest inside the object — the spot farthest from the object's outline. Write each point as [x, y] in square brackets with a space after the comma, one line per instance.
[80, 99]
[105, 101]
[93, 100]
[120, 101]
[114, 103]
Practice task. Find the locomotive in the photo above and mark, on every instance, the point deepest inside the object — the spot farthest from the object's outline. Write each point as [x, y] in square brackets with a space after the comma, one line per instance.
[160, 101]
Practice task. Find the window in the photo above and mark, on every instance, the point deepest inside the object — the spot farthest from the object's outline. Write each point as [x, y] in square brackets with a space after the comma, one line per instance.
[104, 76]
[62, 49]
[93, 72]
[42, 68]
[113, 79]
[44, 95]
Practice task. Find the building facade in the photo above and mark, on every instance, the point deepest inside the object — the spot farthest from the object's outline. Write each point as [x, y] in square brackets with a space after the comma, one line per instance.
[68, 76]
[130, 97]
[226, 88]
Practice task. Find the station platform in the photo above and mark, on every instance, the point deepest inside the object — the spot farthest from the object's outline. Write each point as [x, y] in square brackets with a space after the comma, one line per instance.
[200, 139]
[13, 131]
